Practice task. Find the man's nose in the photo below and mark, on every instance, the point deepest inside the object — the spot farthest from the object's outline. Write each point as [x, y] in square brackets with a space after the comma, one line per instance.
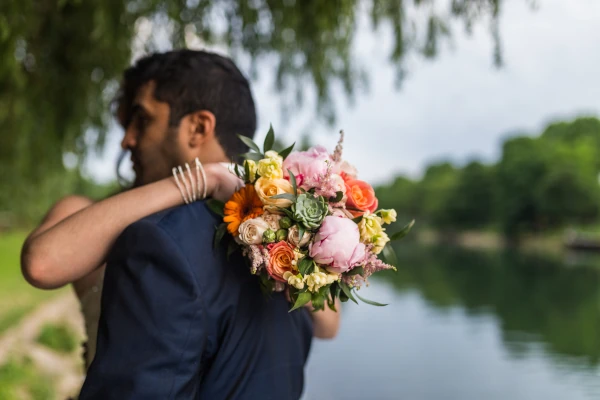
[130, 139]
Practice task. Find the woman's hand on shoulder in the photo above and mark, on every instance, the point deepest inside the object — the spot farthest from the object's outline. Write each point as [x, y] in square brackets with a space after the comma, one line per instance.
[222, 183]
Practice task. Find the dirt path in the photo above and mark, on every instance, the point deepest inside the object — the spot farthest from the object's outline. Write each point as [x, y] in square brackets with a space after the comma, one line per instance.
[20, 341]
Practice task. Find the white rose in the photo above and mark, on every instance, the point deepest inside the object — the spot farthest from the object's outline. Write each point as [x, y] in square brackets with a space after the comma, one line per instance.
[251, 231]
[294, 237]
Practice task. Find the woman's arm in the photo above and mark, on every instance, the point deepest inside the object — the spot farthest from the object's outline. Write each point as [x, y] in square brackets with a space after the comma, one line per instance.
[326, 323]
[65, 248]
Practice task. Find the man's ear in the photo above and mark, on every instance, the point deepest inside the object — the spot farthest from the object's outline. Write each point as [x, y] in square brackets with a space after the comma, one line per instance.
[201, 128]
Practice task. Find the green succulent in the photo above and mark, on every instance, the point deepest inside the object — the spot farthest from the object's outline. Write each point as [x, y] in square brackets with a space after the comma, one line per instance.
[309, 210]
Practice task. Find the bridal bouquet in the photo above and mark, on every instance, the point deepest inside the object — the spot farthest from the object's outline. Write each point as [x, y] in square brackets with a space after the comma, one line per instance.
[306, 223]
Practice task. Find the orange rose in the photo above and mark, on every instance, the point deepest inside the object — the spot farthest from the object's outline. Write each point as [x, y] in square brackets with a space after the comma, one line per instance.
[361, 197]
[281, 256]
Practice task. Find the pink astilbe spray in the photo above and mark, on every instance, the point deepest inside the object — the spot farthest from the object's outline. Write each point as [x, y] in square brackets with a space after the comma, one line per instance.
[337, 154]
[254, 253]
[372, 265]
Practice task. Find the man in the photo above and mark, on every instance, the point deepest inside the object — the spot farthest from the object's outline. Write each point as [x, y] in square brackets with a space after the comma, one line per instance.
[178, 320]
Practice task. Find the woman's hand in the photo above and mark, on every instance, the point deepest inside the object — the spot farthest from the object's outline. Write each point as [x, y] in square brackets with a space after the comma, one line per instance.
[221, 183]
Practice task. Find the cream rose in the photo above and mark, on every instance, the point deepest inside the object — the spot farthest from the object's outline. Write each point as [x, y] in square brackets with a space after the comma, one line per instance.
[294, 237]
[265, 188]
[272, 220]
[251, 231]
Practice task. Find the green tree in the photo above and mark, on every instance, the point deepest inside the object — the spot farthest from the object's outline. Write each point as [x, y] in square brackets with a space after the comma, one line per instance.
[434, 191]
[522, 166]
[61, 60]
[569, 191]
[470, 203]
[401, 196]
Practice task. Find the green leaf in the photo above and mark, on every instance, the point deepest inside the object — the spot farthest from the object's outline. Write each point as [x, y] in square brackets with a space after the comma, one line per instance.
[302, 299]
[238, 171]
[293, 182]
[355, 271]
[216, 206]
[335, 289]
[247, 172]
[318, 301]
[390, 255]
[343, 297]
[219, 233]
[347, 292]
[331, 304]
[338, 197]
[269, 139]
[252, 156]
[403, 232]
[286, 152]
[371, 302]
[287, 212]
[301, 230]
[266, 284]
[306, 266]
[358, 219]
[287, 196]
[250, 143]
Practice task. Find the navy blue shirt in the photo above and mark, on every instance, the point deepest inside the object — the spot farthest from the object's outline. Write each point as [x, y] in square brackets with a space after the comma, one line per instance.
[179, 321]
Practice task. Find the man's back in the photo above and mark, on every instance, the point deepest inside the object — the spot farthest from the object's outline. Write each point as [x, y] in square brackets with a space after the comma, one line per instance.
[180, 321]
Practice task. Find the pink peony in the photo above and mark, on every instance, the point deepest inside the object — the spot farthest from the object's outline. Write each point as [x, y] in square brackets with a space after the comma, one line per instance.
[337, 245]
[307, 165]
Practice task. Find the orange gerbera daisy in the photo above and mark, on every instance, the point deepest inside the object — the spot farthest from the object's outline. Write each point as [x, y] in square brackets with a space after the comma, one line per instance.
[243, 205]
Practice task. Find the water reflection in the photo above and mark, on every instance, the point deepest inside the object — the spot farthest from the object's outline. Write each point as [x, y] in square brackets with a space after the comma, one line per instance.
[468, 325]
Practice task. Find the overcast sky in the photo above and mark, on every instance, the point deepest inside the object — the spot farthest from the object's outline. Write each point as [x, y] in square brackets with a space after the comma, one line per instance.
[459, 106]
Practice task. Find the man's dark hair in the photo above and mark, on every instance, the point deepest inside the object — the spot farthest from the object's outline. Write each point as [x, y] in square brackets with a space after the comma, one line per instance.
[192, 80]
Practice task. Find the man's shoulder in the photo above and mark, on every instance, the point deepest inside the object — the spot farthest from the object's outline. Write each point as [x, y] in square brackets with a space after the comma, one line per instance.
[196, 215]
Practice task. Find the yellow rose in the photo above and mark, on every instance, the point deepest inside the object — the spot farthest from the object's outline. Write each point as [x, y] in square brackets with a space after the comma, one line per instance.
[294, 280]
[388, 216]
[265, 188]
[251, 165]
[379, 242]
[270, 168]
[369, 226]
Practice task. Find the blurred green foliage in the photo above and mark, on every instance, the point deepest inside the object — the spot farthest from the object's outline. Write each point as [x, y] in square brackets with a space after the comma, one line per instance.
[17, 297]
[58, 337]
[61, 62]
[540, 183]
[20, 379]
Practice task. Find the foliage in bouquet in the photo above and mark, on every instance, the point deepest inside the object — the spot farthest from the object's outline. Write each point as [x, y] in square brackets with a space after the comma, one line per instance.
[306, 223]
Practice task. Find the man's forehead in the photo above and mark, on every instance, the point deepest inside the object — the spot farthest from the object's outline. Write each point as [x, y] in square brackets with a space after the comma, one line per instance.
[145, 95]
